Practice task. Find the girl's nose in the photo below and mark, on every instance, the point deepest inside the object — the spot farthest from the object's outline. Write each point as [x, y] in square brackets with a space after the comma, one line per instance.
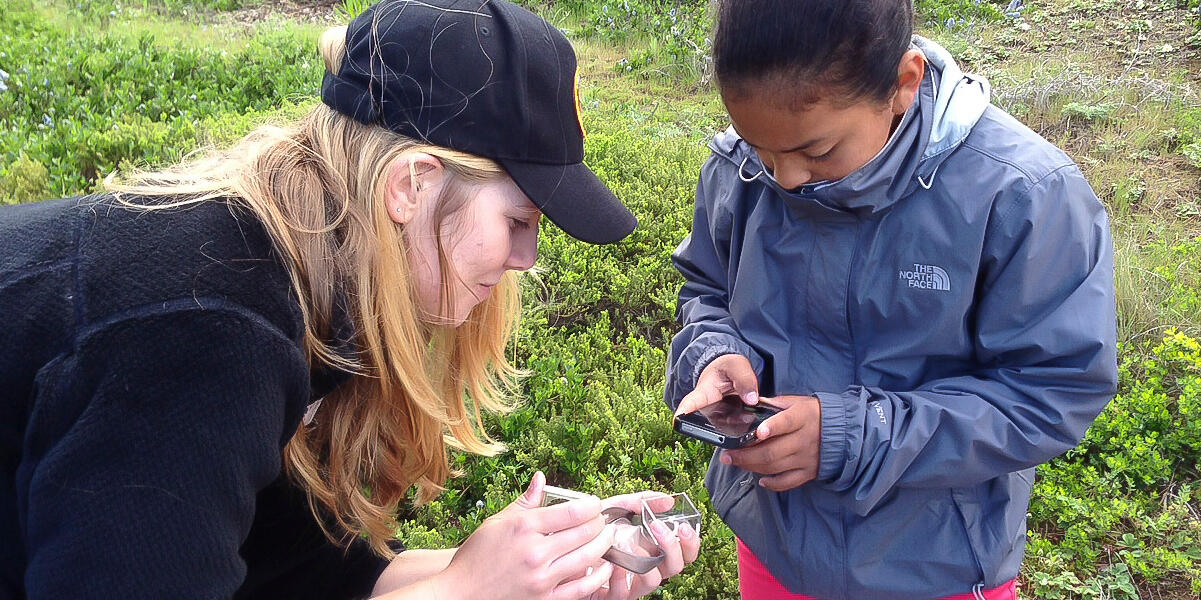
[791, 174]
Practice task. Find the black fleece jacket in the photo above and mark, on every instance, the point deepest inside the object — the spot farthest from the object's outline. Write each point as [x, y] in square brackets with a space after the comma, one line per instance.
[151, 371]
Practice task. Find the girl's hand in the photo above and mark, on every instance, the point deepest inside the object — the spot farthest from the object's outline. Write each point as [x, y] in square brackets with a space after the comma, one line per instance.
[789, 446]
[531, 552]
[681, 549]
[727, 374]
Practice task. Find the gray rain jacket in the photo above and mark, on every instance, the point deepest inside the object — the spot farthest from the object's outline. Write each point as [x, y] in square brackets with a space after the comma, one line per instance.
[951, 306]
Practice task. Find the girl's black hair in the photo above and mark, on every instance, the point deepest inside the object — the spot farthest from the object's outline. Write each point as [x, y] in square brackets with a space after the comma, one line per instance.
[810, 50]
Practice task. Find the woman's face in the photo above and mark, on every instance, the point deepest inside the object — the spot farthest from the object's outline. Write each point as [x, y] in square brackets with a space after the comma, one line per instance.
[496, 230]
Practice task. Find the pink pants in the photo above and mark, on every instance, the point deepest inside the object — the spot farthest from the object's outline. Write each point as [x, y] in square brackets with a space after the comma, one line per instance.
[755, 583]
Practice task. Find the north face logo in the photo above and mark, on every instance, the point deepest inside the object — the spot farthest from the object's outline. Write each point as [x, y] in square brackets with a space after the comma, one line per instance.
[927, 277]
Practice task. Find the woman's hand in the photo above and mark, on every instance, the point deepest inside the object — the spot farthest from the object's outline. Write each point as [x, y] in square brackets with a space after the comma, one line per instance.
[789, 446]
[527, 552]
[681, 549]
[726, 374]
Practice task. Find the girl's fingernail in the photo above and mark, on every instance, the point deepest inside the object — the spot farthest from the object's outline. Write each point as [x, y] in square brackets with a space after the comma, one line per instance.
[752, 398]
[725, 458]
[763, 431]
[685, 531]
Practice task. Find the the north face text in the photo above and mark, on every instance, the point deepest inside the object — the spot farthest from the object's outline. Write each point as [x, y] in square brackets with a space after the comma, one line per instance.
[927, 277]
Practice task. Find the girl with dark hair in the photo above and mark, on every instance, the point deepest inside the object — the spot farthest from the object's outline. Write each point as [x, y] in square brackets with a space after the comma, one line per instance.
[920, 282]
[224, 379]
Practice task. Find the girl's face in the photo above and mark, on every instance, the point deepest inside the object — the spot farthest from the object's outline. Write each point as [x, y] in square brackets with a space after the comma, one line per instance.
[821, 142]
[495, 231]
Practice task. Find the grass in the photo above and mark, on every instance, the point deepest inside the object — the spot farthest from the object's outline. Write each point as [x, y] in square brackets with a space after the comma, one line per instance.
[199, 23]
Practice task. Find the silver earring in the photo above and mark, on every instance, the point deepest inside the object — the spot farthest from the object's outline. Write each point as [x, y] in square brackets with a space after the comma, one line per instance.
[399, 209]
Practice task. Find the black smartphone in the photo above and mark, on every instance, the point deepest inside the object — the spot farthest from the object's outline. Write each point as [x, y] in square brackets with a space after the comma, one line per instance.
[729, 423]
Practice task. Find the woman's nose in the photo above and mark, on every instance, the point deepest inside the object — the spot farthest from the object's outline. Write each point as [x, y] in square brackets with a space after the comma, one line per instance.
[524, 252]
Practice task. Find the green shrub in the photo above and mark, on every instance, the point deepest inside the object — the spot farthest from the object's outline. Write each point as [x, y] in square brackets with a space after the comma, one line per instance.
[102, 97]
[1188, 135]
[954, 13]
[672, 38]
[1119, 507]
[1157, 283]
[24, 181]
[1088, 112]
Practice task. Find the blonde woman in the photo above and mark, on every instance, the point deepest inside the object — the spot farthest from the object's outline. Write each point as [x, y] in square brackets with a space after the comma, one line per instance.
[221, 380]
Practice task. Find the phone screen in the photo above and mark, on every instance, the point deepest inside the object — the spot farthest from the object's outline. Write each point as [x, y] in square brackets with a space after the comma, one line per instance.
[732, 417]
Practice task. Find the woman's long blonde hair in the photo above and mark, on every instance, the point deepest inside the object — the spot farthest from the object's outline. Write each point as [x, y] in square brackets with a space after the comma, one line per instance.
[318, 187]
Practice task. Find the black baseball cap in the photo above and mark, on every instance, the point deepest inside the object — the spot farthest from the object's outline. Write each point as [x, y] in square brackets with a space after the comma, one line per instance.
[483, 77]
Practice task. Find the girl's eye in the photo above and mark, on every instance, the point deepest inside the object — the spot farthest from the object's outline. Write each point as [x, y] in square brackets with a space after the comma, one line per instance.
[822, 157]
[519, 224]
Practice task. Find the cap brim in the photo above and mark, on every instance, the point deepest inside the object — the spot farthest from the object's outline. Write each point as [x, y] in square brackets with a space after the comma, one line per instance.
[575, 199]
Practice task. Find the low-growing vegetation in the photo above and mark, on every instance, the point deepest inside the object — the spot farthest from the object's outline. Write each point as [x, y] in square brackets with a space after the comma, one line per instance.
[87, 89]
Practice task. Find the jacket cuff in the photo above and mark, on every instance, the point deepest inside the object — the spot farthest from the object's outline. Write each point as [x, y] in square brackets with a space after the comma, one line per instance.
[835, 420]
[710, 354]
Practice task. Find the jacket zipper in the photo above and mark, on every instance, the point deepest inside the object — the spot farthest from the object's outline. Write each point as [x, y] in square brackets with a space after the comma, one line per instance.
[977, 589]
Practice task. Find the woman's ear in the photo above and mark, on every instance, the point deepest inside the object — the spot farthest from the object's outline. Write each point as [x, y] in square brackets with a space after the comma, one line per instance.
[909, 80]
[414, 177]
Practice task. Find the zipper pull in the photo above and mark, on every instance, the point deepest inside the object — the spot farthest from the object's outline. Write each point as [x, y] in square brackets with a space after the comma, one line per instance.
[978, 591]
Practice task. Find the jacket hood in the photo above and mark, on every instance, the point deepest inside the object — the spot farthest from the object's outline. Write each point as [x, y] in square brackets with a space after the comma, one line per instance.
[947, 106]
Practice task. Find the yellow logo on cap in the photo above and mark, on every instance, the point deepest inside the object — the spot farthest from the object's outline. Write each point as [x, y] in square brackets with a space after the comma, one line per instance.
[575, 94]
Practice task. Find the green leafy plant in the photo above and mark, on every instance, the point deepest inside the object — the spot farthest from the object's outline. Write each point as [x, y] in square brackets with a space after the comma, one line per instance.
[1119, 489]
[1087, 112]
[23, 181]
[958, 13]
[349, 9]
[86, 107]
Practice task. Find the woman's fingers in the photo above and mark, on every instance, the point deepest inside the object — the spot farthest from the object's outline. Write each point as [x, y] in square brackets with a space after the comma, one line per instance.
[680, 548]
[580, 556]
[551, 519]
[658, 501]
[584, 586]
[531, 498]
[566, 541]
[619, 585]
[673, 562]
[644, 584]
[690, 543]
